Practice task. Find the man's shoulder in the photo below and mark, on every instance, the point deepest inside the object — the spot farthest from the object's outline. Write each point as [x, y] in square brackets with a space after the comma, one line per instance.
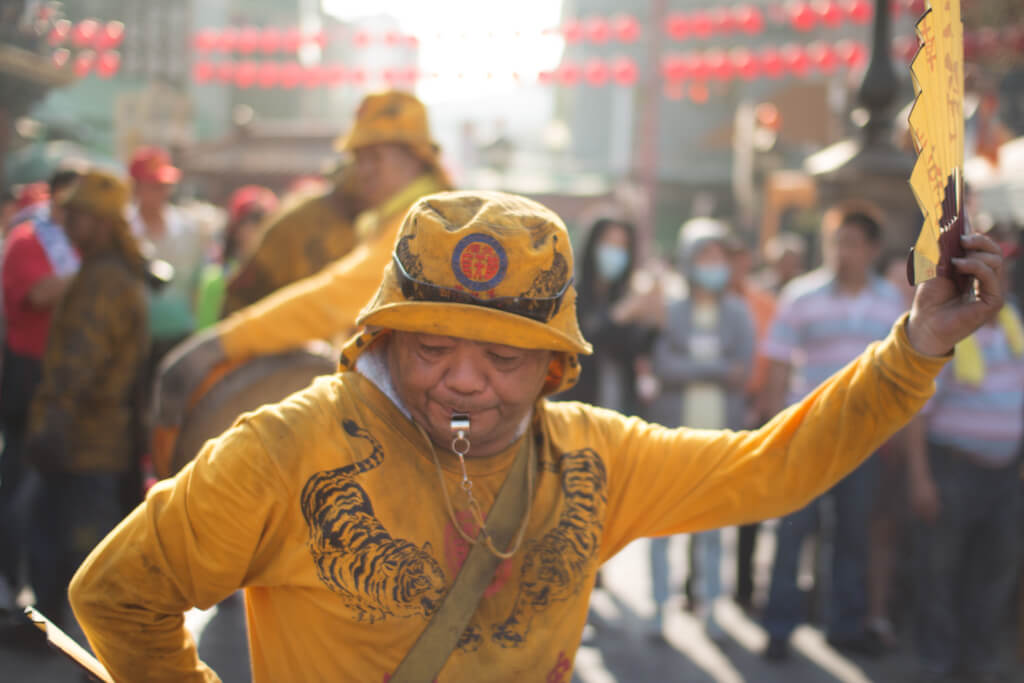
[815, 283]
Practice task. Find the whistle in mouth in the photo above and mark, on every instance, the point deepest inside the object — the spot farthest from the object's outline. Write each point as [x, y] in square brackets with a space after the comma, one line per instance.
[460, 422]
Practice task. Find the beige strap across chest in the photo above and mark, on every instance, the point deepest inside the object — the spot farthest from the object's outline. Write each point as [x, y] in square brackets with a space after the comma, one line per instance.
[436, 643]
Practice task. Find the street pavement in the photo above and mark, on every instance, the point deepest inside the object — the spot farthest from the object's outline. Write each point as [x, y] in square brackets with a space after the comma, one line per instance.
[618, 644]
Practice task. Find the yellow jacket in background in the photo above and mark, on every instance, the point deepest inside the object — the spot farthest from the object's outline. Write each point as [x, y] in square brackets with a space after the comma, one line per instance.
[298, 241]
[324, 305]
[326, 508]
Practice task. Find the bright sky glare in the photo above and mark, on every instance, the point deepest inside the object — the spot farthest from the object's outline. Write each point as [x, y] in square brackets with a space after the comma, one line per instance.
[489, 43]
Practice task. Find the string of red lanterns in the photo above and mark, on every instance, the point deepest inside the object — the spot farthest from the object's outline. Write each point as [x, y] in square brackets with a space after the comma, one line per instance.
[87, 34]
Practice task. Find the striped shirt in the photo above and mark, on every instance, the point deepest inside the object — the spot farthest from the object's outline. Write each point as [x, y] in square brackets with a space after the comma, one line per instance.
[818, 329]
[988, 420]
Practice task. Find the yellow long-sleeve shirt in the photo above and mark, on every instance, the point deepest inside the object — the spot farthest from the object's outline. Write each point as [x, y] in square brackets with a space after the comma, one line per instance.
[326, 508]
[324, 305]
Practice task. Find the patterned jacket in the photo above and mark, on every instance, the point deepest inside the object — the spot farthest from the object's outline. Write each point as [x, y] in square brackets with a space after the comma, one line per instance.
[85, 406]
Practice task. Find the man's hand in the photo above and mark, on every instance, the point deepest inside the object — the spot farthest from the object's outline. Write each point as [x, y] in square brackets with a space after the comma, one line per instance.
[940, 316]
[180, 374]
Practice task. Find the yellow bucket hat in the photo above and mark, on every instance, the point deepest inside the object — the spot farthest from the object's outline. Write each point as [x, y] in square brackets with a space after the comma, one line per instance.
[486, 266]
[390, 117]
[100, 193]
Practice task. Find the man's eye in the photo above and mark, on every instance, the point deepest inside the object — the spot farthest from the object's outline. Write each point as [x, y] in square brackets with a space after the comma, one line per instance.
[433, 350]
[504, 360]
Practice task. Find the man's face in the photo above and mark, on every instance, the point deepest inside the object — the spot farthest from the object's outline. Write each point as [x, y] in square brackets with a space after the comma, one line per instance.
[495, 385]
[152, 194]
[382, 170]
[81, 228]
[850, 252]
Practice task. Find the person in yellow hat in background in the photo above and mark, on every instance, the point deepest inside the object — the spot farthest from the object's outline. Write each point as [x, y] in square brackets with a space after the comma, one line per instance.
[396, 163]
[348, 510]
[309, 232]
[82, 433]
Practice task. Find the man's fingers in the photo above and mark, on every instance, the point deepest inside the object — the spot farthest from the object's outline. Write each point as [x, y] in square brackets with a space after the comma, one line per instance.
[985, 272]
[978, 242]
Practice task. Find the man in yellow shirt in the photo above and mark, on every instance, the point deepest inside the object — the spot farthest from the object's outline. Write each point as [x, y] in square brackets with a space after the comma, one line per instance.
[347, 510]
[396, 163]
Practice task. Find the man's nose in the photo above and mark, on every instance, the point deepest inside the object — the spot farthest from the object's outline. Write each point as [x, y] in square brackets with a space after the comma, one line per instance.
[464, 376]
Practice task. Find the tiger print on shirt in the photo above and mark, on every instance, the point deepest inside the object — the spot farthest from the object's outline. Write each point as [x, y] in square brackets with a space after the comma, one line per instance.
[555, 567]
[376, 574]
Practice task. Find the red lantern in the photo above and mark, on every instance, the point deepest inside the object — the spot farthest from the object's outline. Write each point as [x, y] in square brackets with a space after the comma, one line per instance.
[204, 40]
[84, 62]
[545, 77]
[389, 76]
[700, 24]
[336, 74]
[624, 71]
[831, 13]
[722, 20]
[313, 77]
[224, 72]
[270, 42]
[569, 74]
[362, 39]
[677, 26]
[626, 28]
[318, 38]
[60, 58]
[249, 40]
[108, 64]
[672, 91]
[59, 33]
[771, 63]
[597, 30]
[852, 54]
[227, 40]
[596, 72]
[392, 38]
[699, 92]
[357, 76]
[291, 75]
[572, 31]
[110, 36]
[859, 11]
[794, 58]
[411, 74]
[915, 7]
[698, 66]
[744, 63]
[719, 65]
[750, 19]
[84, 33]
[291, 40]
[268, 75]
[802, 16]
[674, 68]
[202, 72]
[246, 75]
[823, 56]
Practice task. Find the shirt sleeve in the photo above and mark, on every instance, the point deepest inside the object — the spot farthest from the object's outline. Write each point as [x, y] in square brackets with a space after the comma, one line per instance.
[667, 481]
[318, 307]
[25, 265]
[196, 539]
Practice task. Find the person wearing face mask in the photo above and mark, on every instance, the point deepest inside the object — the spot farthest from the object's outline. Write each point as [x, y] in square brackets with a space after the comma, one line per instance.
[702, 359]
[609, 314]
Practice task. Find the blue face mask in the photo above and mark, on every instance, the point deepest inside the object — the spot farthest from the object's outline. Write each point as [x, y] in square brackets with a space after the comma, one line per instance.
[611, 261]
[712, 278]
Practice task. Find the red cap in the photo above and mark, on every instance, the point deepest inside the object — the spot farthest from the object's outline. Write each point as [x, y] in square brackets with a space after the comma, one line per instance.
[153, 165]
[250, 198]
[31, 194]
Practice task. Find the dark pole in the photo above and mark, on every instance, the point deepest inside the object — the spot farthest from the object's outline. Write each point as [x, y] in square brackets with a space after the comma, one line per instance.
[879, 88]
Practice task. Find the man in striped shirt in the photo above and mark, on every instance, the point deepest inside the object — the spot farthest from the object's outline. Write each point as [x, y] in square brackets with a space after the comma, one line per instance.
[965, 495]
[825, 319]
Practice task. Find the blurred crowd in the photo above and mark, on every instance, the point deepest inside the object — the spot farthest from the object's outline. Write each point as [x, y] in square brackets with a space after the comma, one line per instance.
[102, 275]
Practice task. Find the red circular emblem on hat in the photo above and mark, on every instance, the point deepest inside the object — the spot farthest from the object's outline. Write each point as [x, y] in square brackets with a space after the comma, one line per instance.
[479, 262]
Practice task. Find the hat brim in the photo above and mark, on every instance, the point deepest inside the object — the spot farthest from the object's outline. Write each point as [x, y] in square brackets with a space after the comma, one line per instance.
[478, 323]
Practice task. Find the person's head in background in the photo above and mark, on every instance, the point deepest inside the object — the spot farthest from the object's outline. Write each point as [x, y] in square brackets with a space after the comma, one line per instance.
[609, 256]
[851, 242]
[741, 263]
[61, 183]
[893, 267]
[786, 255]
[703, 257]
[153, 179]
[247, 208]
